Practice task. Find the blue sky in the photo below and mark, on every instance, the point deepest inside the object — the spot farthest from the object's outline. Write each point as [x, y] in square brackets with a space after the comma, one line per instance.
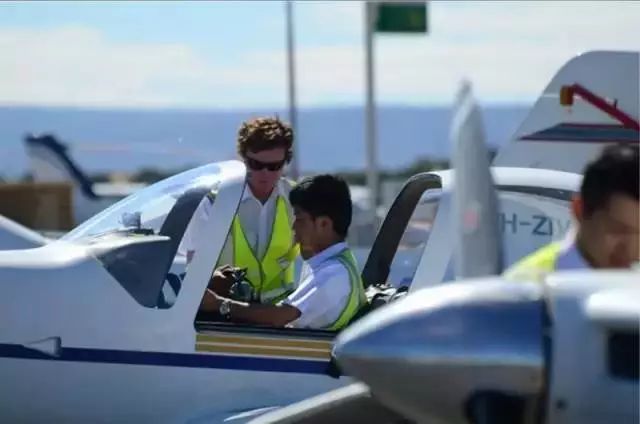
[231, 54]
[203, 25]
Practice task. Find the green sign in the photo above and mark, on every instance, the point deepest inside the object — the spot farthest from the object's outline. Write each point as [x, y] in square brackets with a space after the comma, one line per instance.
[401, 17]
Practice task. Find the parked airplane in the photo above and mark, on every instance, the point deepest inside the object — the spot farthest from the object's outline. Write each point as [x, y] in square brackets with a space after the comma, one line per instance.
[51, 162]
[99, 326]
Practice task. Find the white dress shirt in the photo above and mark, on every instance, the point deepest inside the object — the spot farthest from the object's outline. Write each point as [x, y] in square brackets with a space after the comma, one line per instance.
[256, 219]
[323, 290]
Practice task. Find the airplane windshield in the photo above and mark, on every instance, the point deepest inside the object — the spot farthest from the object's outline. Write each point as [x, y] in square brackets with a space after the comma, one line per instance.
[144, 212]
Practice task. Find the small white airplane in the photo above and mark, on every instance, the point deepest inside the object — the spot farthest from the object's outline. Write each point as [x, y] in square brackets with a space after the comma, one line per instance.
[103, 324]
[50, 161]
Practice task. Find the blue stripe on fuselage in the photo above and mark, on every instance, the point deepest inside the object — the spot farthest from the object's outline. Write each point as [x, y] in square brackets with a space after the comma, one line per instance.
[188, 360]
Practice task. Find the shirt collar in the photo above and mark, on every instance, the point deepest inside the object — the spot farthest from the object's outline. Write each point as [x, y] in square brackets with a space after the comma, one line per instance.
[248, 194]
[319, 258]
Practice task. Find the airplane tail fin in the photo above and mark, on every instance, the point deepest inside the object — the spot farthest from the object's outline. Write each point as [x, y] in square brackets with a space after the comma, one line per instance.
[478, 250]
[51, 162]
[591, 101]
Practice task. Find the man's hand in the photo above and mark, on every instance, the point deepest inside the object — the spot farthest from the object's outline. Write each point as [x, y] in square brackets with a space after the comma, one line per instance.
[221, 280]
[271, 315]
[211, 301]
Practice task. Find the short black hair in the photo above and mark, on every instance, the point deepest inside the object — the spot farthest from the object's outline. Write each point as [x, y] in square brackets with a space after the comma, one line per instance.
[615, 171]
[324, 195]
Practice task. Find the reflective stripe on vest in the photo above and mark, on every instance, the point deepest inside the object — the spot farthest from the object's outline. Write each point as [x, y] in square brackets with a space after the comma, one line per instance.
[536, 266]
[272, 276]
[357, 296]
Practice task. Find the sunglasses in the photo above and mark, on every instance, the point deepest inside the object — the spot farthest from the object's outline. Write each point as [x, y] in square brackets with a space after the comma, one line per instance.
[258, 165]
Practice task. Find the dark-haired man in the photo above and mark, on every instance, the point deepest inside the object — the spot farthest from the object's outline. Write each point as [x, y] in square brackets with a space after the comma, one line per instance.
[261, 238]
[607, 220]
[330, 291]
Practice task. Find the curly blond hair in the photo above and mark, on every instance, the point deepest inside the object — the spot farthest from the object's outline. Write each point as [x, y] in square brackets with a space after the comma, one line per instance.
[265, 133]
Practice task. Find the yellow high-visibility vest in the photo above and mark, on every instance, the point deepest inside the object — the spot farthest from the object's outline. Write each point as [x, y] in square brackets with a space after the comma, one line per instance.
[537, 265]
[272, 275]
[357, 298]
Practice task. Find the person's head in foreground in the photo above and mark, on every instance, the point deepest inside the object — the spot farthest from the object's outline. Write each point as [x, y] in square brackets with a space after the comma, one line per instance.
[607, 210]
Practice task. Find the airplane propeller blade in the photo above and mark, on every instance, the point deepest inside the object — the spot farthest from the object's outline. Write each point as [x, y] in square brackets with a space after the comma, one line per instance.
[478, 250]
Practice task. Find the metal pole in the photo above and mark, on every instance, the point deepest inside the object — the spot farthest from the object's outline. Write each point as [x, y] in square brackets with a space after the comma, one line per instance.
[370, 126]
[294, 171]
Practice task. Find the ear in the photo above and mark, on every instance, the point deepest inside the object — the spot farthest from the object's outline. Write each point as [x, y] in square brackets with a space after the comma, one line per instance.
[577, 208]
[325, 223]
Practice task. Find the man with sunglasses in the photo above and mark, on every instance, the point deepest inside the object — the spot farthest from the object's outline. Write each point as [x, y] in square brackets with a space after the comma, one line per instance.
[261, 236]
[607, 221]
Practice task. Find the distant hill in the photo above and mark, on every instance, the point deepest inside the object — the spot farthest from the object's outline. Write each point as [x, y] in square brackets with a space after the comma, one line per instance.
[328, 139]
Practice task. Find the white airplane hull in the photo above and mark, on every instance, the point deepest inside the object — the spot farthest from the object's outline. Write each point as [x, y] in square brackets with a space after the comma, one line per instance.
[77, 391]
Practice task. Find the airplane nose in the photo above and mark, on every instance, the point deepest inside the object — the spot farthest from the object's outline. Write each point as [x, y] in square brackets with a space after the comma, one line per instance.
[431, 355]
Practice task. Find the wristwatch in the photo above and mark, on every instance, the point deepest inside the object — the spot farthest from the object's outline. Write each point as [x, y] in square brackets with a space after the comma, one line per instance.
[225, 309]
